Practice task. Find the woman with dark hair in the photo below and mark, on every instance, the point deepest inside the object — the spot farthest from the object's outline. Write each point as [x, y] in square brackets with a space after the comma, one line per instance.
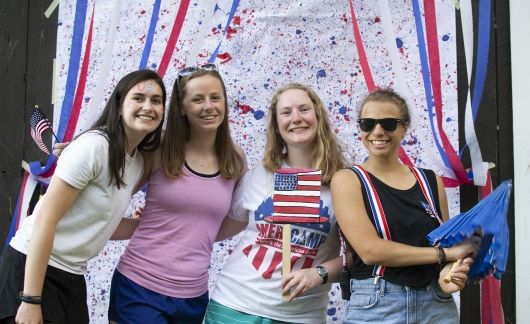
[385, 210]
[249, 287]
[162, 277]
[41, 272]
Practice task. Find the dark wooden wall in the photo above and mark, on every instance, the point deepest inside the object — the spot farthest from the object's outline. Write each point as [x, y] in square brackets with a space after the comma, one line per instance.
[27, 49]
[494, 132]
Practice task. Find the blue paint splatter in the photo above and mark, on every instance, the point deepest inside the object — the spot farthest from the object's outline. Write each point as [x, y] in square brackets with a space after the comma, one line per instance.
[321, 74]
[266, 86]
[332, 311]
[298, 32]
[333, 42]
[258, 114]
[399, 42]
[343, 110]
[445, 38]
[449, 119]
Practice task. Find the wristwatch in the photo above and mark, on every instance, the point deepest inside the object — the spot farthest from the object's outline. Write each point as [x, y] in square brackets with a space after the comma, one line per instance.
[323, 273]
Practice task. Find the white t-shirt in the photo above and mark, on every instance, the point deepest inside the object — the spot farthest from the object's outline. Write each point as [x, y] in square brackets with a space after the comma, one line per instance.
[87, 226]
[250, 281]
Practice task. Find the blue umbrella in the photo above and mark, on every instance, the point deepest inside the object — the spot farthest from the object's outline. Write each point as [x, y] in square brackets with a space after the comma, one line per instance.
[487, 218]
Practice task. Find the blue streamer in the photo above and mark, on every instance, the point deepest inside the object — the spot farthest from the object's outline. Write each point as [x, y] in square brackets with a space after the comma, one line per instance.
[73, 66]
[235, 4]
[426, 80]
[150, 35]
[483, 46]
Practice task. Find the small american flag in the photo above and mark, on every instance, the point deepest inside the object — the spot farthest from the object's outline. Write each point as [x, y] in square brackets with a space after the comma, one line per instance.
[296, 197]
[39, 124]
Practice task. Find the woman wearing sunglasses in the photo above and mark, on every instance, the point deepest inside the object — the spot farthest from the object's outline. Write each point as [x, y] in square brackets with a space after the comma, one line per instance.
[162, 277]
[249, 286]
[385, 210]
[82, 207]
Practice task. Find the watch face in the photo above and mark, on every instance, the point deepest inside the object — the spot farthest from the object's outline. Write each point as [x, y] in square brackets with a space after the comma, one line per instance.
[322, 272]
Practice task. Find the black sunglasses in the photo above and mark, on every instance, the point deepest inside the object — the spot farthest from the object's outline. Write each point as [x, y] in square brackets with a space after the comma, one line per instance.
[388, 124]
[190, 70]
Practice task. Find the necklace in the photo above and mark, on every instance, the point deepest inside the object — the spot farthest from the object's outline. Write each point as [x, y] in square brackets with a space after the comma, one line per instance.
[202, 162]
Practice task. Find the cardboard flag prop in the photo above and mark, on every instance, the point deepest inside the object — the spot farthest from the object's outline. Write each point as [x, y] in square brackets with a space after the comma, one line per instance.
[296, 197]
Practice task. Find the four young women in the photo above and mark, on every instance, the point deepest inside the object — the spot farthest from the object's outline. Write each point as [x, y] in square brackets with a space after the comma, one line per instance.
[163, 278]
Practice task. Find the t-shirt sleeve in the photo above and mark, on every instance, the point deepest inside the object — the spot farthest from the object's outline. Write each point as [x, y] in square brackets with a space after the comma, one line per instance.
[82, 160]
[238, 211]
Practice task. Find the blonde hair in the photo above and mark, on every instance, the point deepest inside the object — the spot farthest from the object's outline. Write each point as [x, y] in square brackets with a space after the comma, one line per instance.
[326, 155]
[177, 132]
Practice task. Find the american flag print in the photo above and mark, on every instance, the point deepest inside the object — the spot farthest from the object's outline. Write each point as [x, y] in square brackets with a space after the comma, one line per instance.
[296, 197]
[39, 124]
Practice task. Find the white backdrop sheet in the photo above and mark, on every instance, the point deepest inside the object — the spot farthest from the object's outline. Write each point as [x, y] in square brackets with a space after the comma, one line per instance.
[267, 44]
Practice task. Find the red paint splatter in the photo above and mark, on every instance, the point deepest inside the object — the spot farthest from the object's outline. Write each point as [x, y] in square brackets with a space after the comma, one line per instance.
[230, 32]
[245, 109]
[377, 20]
[142, 12]
[237, 20]
[225, 57]
[215, 31]
[344, 91]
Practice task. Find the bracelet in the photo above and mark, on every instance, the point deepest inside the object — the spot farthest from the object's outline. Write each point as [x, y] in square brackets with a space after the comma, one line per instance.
[442, 259]
[35, 300]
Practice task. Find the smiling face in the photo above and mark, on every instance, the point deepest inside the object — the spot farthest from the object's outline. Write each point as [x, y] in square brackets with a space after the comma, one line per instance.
[142, 110]
[204, 103]
[379, 142]
[296, 119]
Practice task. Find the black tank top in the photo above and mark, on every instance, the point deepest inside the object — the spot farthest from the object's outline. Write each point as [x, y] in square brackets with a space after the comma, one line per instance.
[409, 223]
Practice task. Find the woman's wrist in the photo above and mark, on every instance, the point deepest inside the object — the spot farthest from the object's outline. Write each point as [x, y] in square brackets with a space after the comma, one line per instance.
[442, 257]
[30, 299]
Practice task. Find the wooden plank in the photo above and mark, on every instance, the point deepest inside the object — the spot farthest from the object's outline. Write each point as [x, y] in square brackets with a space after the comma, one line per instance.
[13, 50]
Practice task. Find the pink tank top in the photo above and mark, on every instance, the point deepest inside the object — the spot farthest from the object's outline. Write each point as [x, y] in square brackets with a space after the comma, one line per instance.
[169, 252]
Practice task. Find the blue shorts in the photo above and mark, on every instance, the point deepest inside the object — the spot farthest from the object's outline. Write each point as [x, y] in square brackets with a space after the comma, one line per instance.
[132, 303]
[385, 302]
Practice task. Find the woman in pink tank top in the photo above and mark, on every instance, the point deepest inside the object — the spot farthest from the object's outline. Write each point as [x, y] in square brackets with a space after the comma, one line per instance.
[162, 277]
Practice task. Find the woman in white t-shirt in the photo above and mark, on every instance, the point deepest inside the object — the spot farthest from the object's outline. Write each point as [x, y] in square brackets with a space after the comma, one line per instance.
[249, 287]
[41, 273]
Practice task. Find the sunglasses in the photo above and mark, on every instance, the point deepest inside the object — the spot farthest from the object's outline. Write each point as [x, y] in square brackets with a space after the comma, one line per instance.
[388, 124]
[190, 70]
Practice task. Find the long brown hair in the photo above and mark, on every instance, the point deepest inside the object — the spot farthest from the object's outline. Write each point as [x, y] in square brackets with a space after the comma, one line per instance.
[326, 155]
[178, 132]
[111, 124]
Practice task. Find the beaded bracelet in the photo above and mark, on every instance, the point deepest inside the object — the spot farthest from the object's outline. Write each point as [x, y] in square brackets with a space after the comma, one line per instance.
[35, 300]
[442, 259]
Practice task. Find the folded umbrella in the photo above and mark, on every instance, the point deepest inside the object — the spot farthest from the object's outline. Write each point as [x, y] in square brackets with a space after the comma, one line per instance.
[488, 219]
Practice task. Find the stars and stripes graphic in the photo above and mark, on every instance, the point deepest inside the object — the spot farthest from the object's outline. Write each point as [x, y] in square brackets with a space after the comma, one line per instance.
[266, 260]
[296, 197]
[39, 124]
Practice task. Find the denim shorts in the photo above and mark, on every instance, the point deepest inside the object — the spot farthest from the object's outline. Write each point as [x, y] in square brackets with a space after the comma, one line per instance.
[379, 301]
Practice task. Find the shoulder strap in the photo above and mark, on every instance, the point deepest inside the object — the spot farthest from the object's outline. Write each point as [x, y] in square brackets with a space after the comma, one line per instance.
[427, 191]
[378, 213]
